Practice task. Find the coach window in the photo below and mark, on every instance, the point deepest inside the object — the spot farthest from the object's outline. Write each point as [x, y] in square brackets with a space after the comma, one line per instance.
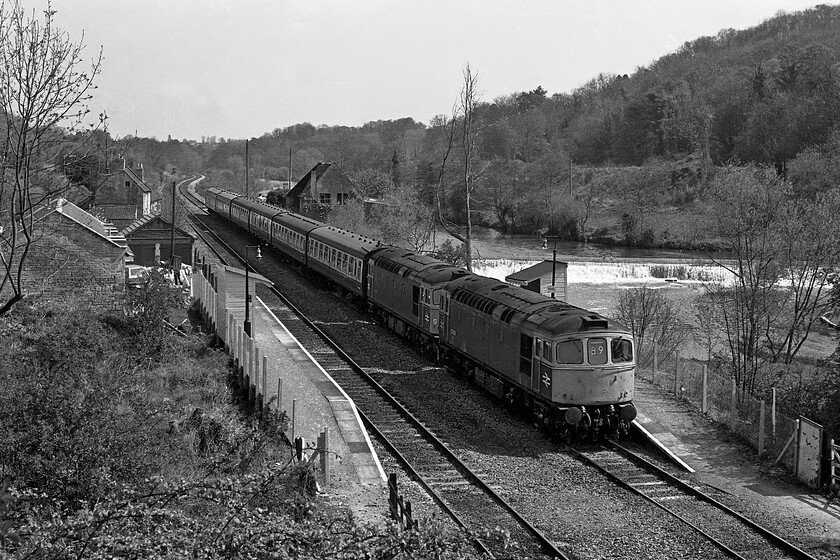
[570, 352]
[597, 349]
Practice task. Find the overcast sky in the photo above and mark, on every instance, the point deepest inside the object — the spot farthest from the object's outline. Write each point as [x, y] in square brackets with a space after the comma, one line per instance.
[237, 69]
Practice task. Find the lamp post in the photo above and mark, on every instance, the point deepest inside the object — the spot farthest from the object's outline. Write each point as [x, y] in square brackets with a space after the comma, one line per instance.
[247, 324]
[553, 262]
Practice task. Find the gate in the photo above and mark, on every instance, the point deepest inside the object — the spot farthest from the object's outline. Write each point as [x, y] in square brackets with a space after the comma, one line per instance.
[808, 452]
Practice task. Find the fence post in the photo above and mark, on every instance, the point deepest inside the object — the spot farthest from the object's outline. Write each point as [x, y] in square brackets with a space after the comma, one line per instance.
[677, 374]
[257, 376]
[294, 405]
[733, 412]
[279, 395]
[704, 407]
[761, 430]
[265, 378]
[773, 414]
[392, 495]
[655, 362]
[325, 455]
[299, 448]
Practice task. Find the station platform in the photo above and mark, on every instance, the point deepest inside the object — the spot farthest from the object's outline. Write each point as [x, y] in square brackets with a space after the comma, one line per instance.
[317, 402]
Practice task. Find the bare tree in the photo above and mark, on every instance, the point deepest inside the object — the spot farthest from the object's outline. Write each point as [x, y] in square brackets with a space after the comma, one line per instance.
[43, 91]
[464, 127]
[653, 320]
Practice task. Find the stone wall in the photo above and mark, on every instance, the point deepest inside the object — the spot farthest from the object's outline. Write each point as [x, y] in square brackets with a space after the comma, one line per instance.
[87, 270]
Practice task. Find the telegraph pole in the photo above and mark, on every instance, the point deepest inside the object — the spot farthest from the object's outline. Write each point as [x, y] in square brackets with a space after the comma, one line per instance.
[247, 165]
[172, 239]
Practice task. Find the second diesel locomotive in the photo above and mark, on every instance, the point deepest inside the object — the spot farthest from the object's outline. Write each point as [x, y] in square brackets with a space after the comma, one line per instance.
[572, 368]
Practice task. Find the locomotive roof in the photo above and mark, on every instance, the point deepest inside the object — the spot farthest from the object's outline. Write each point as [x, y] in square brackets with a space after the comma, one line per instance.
[359, 245]
[515, 305]
[405, 263]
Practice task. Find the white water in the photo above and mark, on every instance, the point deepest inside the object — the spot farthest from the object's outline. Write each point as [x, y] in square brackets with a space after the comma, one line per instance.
[611, 272]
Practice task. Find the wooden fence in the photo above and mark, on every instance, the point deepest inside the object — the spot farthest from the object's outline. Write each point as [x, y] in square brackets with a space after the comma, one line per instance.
[400, 508]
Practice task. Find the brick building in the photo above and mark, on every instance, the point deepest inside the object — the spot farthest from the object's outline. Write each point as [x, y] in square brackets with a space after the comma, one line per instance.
[76, 256]
[319, 191]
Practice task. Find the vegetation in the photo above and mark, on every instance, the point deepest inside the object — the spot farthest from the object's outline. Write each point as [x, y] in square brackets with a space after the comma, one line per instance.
[120, 440]
[43, 85]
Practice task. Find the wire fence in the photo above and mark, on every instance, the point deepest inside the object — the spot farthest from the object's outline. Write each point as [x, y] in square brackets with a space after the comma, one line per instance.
[712, 391]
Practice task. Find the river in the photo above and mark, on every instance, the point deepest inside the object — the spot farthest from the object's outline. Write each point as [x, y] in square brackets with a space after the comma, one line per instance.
[597, 274]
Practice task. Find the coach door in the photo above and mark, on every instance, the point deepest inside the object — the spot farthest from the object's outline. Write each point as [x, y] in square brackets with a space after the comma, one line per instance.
[444, 315]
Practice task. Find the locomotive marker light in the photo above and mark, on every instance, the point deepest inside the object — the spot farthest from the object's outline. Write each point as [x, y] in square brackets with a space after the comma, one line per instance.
[553, 287]
[247, 324]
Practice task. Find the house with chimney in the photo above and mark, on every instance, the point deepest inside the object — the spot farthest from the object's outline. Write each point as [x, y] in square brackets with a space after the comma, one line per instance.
[122, 198]
[323, 188]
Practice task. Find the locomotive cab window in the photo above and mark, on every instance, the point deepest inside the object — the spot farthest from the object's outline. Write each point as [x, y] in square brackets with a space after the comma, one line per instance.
[570, 352]
[621, 350]
[547, 353]
[538, 346]
[597, 351]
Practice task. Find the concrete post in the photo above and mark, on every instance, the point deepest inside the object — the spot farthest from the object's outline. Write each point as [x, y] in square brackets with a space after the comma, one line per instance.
[773, 414]
[265, 378]
[761, 430]
[704, 407]
[677, 374]
[325, 455]
[250, 360]
[733, 412]
[279, 395]
[257, 376]
[655, 361]
[294, 406]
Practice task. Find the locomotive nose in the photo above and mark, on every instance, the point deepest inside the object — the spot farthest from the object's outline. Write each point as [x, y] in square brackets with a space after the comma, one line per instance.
[627, 412]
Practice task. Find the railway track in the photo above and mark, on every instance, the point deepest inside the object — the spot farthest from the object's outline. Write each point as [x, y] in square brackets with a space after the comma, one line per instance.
[732, 533]
[453, 485]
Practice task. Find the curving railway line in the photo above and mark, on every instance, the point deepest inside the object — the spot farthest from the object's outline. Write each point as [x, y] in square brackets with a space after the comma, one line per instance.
[456, 488]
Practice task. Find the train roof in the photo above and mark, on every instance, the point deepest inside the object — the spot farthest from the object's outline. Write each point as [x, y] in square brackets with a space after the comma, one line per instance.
[515, 305]
[353, 243]
[296, 222]
[262, 208]
[407, 263]
[222, 193]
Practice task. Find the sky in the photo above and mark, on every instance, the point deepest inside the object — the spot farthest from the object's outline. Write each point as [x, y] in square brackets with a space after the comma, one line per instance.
[241, 68]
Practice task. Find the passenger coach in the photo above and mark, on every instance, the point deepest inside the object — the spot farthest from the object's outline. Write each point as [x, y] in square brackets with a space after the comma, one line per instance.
[340, 255]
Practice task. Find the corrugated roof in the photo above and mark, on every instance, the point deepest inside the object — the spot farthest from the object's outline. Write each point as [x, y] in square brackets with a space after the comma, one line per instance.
[137, 224]
[106, 230]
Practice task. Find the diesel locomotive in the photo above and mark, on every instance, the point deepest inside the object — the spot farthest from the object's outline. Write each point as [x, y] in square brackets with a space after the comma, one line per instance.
[573, 369]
